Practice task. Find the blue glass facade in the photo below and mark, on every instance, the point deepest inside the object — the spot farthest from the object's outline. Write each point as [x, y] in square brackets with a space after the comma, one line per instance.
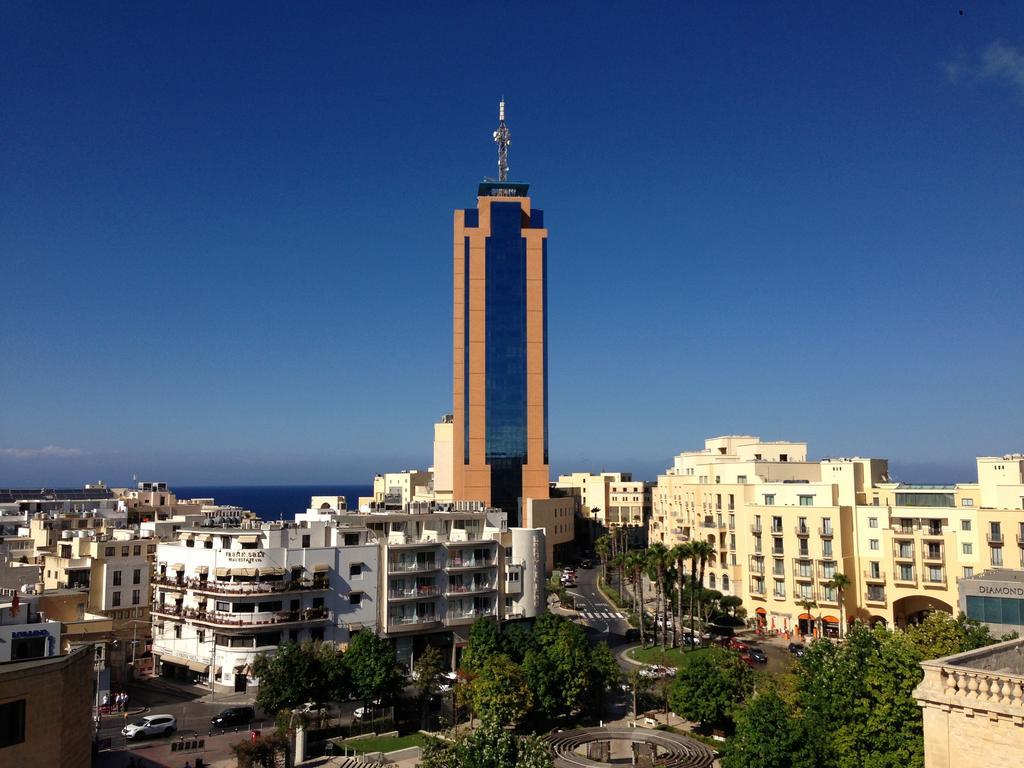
[506, 354]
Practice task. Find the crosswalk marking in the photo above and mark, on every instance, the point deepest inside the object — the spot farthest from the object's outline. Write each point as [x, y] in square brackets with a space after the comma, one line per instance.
[600, 613]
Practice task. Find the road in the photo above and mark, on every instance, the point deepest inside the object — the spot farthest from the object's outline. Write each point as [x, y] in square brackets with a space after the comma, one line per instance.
[594, 610]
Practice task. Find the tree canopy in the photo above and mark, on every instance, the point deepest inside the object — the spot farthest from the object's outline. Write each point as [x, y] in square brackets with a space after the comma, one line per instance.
[710, 687]
[489, 746]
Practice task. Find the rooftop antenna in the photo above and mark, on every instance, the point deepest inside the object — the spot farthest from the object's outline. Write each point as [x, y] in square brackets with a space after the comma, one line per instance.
[503, 138]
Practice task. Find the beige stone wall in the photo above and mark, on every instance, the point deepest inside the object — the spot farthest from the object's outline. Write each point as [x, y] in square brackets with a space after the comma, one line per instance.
[58, 710]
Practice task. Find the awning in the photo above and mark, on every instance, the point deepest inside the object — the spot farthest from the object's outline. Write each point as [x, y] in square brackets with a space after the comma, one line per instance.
[805, 617]
[222, 571]
[185, 536]
[248, 538]
[202, 569]
[245, 571]
[178, 567]
[169, 659]
[355, 627]
[830, 619]
[196, 666]
[321, 568]
[761, 611]
[271, 571]
[205, 537]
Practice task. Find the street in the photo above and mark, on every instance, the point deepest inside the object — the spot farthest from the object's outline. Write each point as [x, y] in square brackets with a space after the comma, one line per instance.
[594, 610]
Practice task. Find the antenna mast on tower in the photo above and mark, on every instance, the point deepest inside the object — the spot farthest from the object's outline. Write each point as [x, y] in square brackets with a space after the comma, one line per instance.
[503, 138]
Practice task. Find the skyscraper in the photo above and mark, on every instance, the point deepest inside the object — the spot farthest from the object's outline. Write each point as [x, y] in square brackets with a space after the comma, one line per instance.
[500, 436]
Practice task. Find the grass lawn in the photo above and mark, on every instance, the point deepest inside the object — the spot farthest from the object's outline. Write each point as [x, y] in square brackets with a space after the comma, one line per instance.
[384, 743]
[673, 657]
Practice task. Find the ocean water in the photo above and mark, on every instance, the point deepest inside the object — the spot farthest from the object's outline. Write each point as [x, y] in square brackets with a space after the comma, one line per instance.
[272, 502]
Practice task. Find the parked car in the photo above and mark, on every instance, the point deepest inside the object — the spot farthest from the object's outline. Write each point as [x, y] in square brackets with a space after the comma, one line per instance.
[367, 713]
[631, 635]
[150, 725]
[737, 645]
[690, 639]
[585, 564]
[747, 659]
[797, 649]
[758, 655]
[234, 716]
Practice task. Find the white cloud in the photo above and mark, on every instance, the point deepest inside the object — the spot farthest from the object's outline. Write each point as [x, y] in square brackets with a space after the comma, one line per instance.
[997, 61]
[50, 451]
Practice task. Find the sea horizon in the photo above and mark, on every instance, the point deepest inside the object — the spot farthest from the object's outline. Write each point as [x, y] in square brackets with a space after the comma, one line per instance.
[273, 502]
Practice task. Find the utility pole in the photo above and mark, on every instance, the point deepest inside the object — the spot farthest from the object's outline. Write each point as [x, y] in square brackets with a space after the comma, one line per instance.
[502, 138]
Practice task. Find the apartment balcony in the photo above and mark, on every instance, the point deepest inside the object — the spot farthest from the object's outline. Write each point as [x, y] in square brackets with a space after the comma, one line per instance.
[756, 528]
[469, 589]
[928, 581]
[804, 576]
[430, 590]
[468, 563]
[803, 531]
[874, 578]
[826, 533]
[777, 530]
[461, 536]
[824, 600]
[932, 556]
[932, 533]
[1020, 539]
[994, 539]
[778, 596]
[709, 522]
[419, 566]
[757, 568]
[874, 599]
[905, 554]
[242, 587]
[408, 624]
[756, 589]
[243, 620]
[903, 581]
[463, 618]
[405, 541]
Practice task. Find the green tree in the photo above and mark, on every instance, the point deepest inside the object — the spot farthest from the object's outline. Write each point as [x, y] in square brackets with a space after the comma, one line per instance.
[942, 635]
[489, 746]
[499, 693]
[603, 547]
[425, 673]
[638, 686]
[604, 676]
[292, 676]
[710, 687]
[484, 643]
[333, 673]
[636, 564]
[767, 734]
[265, 752]
[372, 669]
[516, 640]
[700, 551]
[840, 583]
[682, 553]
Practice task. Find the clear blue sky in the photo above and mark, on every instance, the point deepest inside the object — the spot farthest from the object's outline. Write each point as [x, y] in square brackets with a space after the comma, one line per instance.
[225, 230]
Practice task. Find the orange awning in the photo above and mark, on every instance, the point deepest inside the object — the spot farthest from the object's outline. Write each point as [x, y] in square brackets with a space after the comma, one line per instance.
[830, 619]
[805, 617]
[761, 611]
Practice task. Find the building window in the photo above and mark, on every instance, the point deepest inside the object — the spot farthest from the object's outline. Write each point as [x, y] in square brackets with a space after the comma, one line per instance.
[135, 597]
[116, 599]
[12, 723]
[137, 550]
[305, 541]
[137, 576]
[124, 551]
[966, 502]
[117, 578]
[108, 552]
[906, 573]
[968, 549]
[935, 573]
[873, 544]
[355, 571]
[725, 582]
[741, 479]
[355, 598]
[177, 631]
[875, 569]
[968, 571]
[806, 501]
[201, 635]
[826, 548]
[997, 555]
[965, 525]
[780, 589]
[872, 522]
[711, 580]
[769, 499]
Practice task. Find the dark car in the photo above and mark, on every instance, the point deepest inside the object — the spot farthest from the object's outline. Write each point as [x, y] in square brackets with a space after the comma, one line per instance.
[758, 655]
[585, 563]
[234, 716]
[632, 635]
[797, 649]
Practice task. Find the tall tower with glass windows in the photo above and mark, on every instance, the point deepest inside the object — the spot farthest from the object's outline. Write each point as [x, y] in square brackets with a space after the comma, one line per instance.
[500, 434]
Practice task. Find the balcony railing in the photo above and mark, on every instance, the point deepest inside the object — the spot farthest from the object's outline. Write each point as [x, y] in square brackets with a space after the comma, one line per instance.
[223, 619]
[462, 589]
[897, 578]
[242, 587]
[421, 591]
[777, 530]
[874, 599]
[417, 566]
[869, 576]
[826, 533]
[757, 589]
[756, 528]
[903, 554]
[932, 555]
[412, 621]
[470, 562]
[994, 539]
[803, 530]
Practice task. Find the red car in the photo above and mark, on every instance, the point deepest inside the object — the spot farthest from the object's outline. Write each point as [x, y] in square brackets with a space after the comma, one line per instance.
[738, 645]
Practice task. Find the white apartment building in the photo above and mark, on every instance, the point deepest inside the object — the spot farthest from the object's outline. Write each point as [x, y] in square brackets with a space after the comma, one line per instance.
[223, 595]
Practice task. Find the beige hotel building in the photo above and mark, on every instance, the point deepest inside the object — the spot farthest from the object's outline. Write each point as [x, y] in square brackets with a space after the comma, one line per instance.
[783, 526]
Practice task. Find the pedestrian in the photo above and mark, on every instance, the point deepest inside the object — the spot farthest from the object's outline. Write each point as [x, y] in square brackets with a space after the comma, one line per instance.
[124, 699]
[188, 764]
[106, 700]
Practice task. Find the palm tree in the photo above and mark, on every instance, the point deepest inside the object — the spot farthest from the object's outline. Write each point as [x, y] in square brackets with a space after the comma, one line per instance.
[656, 557]
[603, 547]
[637, 563]
[807, 604]
[702, 552]
[619, 563]
[839, 582]
[680, 553]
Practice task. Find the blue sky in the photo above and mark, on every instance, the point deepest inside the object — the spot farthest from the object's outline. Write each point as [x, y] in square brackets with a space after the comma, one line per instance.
[225, 230]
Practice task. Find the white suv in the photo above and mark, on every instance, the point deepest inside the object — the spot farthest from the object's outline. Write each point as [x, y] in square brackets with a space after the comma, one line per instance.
[151, 725]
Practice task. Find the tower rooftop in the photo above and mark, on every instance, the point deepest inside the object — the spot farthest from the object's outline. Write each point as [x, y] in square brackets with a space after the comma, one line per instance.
[502, 189]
